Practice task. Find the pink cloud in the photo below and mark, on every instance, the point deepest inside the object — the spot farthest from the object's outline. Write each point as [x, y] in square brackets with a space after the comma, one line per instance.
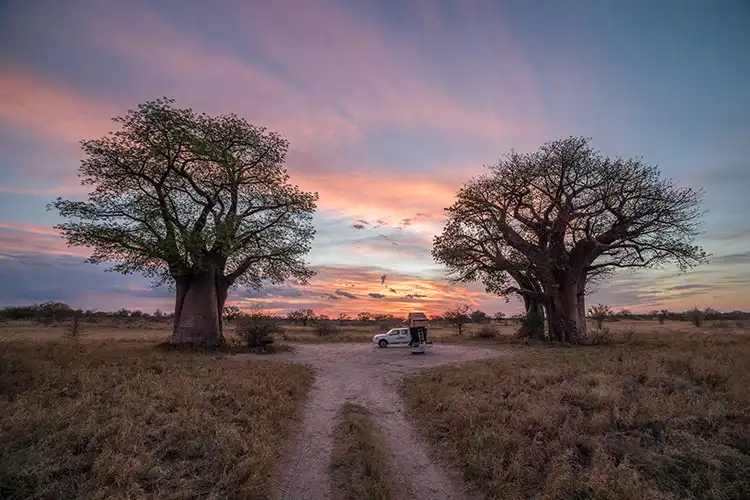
[26, 238]
[369, 195]
[342, 75]
[63, 189]
[350, 64]
[412, 293]
[52, 110]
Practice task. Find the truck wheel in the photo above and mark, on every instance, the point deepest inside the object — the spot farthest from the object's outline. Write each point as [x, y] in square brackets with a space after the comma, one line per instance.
[383, 343]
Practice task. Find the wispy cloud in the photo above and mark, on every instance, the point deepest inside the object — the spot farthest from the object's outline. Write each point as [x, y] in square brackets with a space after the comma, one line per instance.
[54, 110]
[385, 124]
[688, 286]
[346, 294]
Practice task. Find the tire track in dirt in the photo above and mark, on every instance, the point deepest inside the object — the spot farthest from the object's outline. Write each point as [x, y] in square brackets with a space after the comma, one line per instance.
[369, 376]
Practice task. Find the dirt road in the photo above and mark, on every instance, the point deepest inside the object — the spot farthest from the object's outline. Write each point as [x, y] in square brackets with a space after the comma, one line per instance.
[370, 376]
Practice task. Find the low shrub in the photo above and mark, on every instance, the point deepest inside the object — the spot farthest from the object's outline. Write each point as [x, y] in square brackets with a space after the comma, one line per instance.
[696, 316]
[324, 328]
[488, 331]
[74, 330]
[600, 336]
[254, 329]
[628, 334]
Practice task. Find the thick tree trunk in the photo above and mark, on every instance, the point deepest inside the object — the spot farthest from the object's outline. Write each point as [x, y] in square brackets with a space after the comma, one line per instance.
[564, 318]
[533, 326]
[197, 314]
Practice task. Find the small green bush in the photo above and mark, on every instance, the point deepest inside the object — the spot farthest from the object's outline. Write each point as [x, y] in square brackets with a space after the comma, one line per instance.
[256, 328]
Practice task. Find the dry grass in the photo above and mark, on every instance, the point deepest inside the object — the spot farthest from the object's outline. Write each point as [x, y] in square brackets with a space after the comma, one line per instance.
[20, 330]
[663, 416]
[95, 420]
[360, 468]
[357, 333]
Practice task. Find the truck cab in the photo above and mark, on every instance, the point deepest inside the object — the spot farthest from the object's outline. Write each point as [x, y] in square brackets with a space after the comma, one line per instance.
[394, 336]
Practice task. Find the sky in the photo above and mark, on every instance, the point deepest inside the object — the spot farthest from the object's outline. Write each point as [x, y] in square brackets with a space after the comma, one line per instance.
[389, 107]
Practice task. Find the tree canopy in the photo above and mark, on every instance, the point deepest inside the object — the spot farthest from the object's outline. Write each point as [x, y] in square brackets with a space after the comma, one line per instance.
[559, 217]
[191, 199]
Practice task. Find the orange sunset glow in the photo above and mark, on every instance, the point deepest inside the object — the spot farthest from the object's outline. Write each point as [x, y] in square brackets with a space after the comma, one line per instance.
[385, 124]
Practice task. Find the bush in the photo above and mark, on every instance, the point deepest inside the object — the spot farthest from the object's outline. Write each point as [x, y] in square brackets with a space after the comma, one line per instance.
[601, 336]
[600, 313]
[75, 327]
[488, 331]
[628, 334]
[324, 328]
[696, 316]
[256, 328]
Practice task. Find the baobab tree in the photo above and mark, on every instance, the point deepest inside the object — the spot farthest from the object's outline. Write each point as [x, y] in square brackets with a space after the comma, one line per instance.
[469, 251]
[564, 214]
[201, 202]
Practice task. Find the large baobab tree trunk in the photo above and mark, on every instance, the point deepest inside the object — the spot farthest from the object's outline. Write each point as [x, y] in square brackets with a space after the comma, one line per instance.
[198, 304]
[564, 319]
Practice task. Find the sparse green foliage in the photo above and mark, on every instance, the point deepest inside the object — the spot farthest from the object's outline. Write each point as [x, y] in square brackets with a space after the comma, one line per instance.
[600, 313]
[257, 327]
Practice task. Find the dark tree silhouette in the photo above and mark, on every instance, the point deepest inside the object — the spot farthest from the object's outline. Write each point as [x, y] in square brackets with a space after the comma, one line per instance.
[200, 201]
[478, 316]
[562, 216]
[458, 317]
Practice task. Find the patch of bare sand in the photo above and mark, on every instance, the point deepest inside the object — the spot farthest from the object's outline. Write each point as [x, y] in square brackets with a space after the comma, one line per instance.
[369, 376]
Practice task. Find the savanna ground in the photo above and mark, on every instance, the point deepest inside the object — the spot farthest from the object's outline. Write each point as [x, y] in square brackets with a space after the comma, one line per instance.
[653, 411]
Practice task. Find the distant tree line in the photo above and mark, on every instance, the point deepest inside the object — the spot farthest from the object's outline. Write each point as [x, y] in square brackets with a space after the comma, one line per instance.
[50, 312]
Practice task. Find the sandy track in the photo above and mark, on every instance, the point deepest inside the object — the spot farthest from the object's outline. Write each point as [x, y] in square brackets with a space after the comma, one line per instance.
[369, 376]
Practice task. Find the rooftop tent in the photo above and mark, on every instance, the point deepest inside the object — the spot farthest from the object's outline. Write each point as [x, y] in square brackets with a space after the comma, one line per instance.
[417, 319]
[417, 322]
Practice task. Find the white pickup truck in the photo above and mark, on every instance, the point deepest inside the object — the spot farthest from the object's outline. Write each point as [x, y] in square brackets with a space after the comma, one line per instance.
[393, 336]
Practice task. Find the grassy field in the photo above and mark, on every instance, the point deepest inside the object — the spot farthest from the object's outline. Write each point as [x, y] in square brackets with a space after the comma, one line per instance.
[99, 420]
[160, 332]
[653, 411]
[360, 467]
[657, 412]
